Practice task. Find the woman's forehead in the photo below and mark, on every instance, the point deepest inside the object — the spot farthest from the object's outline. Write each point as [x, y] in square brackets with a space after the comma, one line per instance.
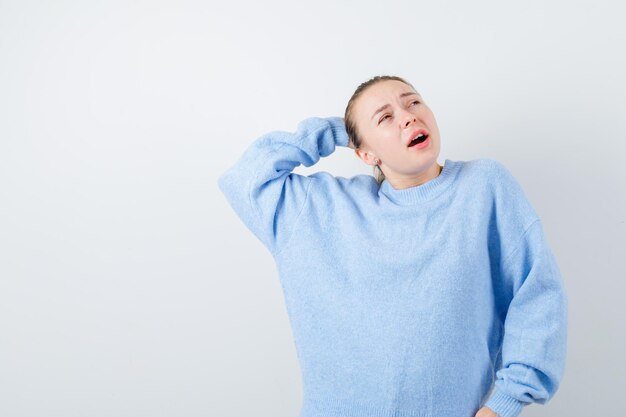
[382, 94]
[388, 89]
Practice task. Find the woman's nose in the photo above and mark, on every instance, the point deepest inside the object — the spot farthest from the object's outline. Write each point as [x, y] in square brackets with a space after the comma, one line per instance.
[408, 119]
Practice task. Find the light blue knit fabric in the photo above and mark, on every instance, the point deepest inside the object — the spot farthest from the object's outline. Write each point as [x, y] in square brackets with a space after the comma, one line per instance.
[429, 301]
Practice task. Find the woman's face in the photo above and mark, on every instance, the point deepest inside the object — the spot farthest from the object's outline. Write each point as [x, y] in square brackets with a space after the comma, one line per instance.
[388, 115]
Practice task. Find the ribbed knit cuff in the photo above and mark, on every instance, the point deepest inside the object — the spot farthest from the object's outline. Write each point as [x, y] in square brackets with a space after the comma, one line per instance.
[504, 405]
[339, 126]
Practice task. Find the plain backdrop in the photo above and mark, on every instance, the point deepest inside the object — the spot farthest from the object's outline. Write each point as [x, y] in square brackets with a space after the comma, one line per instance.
[128, 286]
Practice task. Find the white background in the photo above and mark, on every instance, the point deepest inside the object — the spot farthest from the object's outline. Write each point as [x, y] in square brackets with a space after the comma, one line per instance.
[128, 286]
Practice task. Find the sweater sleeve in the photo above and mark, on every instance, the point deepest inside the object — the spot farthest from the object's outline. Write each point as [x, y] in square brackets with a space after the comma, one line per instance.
[261, 187]
[535, 327]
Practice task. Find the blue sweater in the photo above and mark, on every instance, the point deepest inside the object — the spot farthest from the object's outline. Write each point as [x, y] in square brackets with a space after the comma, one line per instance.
[430, 301]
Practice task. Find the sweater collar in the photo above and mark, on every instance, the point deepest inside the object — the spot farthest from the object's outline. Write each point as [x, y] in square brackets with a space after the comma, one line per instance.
[424, 192]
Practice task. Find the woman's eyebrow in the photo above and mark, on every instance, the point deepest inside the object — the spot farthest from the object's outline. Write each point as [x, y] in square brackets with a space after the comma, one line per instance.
[408, 93]
[379, 110]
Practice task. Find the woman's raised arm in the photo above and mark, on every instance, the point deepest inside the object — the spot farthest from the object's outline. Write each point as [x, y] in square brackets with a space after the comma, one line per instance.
[261, 187]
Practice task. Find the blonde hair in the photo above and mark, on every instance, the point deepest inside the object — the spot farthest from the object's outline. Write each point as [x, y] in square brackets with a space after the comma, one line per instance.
[353, 134]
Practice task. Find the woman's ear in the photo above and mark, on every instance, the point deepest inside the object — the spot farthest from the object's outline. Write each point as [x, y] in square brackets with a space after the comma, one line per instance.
[366, 156]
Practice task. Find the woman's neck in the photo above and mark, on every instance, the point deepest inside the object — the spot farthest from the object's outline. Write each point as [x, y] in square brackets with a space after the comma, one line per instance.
[400, 183]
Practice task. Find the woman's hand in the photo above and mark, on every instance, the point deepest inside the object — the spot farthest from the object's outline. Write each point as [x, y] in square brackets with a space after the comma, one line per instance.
[486, 412]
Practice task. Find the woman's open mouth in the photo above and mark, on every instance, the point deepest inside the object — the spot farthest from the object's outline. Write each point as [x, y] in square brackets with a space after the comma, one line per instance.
[421, 141]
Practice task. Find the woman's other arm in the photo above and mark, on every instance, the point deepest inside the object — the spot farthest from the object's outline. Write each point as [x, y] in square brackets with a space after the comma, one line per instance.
[535, 329]
[261, 187]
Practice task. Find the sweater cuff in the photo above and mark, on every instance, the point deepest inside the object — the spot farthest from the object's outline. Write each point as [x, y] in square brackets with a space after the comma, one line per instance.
[339, 127]
[504, 405]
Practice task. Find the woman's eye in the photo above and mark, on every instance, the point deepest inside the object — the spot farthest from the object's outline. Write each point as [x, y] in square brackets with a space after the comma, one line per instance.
[383, 118]
[415, 102]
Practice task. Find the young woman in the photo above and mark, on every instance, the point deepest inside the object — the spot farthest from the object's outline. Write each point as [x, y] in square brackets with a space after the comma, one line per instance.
[426, 291]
